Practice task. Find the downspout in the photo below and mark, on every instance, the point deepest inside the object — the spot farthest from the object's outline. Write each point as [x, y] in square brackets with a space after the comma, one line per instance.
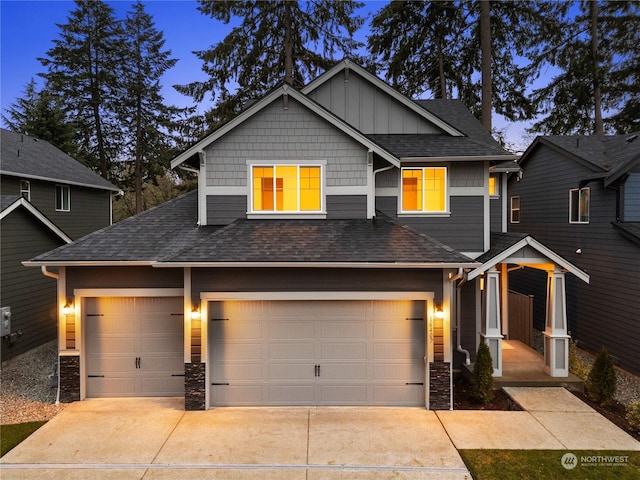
[455, 278]
[49, 274]
[373, 186]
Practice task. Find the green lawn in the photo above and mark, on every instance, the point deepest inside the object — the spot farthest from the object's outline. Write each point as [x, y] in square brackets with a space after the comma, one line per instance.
[547, 464]
[12, 435]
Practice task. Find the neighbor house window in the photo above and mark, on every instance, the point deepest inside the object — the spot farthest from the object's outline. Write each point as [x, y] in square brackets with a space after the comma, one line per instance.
[287, 188]
[515, 209]
[579, 205]
[424, 189]
[63, 198]
[25, 189]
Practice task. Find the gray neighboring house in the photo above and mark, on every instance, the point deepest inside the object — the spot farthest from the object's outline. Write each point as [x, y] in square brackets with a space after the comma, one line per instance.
[48, 199]
[338, 251]
[580, 195]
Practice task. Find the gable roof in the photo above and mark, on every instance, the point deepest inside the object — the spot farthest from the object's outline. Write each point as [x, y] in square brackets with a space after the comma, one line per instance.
[31, 158]
[168, 236]
[507, 247]
[608, 156]
[10, 203]
[346, 65]
[285, 92]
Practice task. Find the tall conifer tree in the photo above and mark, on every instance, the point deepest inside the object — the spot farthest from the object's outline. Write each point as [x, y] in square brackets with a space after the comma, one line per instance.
[276, 41]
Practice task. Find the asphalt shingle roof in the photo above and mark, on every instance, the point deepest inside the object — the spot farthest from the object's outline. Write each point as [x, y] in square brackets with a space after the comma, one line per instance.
[7, 200]
[169, 233]
[29, 157]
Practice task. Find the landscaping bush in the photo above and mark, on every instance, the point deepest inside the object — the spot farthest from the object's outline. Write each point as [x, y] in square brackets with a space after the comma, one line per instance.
[482, 376]
[633, 415]
[602, 381]
[578, 365]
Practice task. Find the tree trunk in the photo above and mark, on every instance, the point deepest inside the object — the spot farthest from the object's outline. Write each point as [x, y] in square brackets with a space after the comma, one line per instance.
[443, 80]
[485, 46]
[597, 92]
[288, 46]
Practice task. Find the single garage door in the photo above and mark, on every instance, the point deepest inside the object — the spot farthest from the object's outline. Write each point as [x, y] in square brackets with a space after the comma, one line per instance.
[134, 347]
[317, 353]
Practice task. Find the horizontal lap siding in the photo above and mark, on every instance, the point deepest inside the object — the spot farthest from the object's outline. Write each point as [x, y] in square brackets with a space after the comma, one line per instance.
[31, 295]
[463, 230]
[123, 277]
[224, 209]
[346, 206]
[605, 311]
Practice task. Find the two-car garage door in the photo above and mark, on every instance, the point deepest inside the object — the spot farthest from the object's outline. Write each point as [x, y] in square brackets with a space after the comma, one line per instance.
[317, 352]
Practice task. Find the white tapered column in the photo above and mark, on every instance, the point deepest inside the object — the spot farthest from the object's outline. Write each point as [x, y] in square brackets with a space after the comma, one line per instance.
[491, 322]
[556, 338]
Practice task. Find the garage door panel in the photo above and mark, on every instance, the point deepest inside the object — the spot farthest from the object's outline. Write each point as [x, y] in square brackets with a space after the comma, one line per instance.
[346, 351]
[133, 346]
[366, 351]
[298, 351]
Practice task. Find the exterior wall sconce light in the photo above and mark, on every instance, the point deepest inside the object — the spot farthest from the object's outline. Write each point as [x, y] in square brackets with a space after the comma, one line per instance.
[67, 309]
[195, 313]
[439, 313]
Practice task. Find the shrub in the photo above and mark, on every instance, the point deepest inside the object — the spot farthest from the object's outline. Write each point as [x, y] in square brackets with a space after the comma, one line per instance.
[633, 415]
[482, 376]
[602, 381]
[578, 365]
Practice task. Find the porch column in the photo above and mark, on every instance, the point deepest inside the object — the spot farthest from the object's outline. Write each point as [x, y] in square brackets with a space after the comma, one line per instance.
[491, 323]
[556, 339]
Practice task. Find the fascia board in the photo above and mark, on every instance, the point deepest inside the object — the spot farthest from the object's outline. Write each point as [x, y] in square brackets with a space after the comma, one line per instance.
[89, 263]
[609, 179]
[470, 158]
[554, 257]
[384, 87]
[21, 202]
[313, 265]
[59, 180]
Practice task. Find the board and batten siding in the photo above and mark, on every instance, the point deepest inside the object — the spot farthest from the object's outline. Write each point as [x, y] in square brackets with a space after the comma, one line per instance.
[31, 295]
[295, 134]
[368, 108]
[605, 311]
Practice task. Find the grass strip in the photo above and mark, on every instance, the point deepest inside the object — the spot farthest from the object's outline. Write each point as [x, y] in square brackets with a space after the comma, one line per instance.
[12, 435]
[556, 464]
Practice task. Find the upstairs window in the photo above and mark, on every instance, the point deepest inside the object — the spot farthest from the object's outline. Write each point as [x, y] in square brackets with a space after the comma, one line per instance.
[424, 189]
[515, 209]
[63, 198]
[579, 205]
[25, 189]
[287, 188]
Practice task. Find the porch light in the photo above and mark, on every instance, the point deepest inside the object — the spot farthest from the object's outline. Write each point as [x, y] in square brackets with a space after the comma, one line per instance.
[195, 313]
[67, 309]
[439, 313]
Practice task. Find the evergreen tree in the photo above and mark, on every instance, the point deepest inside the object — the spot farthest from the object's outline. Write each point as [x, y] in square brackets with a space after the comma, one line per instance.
[83, 69]
[602, 381]
[406, 33]
[40, 115]
[598, 88]
[143, 115]
[482, 375]
[277, 41]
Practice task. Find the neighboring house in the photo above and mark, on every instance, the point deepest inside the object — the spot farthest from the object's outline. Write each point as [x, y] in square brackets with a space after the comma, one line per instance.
[333, 254]
[580, 195]
[48, 199]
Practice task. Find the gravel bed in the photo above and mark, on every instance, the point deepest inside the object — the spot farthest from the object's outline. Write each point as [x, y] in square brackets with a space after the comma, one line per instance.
[628, 386]
[25, 392]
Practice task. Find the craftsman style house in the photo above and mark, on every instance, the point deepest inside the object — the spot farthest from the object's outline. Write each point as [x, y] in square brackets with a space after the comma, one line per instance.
[580, 195]
[48, 199]
[333, 254]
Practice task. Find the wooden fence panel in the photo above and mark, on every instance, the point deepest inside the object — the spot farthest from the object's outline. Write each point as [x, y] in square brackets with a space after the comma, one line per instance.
[521, 317]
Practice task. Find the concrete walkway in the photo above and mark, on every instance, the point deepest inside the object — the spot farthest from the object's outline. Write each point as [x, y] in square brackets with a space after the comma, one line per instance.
[157, 439]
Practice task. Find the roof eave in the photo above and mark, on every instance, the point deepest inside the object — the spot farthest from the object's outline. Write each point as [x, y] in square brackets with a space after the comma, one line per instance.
[89, 263]
[381, 265]
[112, 188]
[21, 202]
[468, 158]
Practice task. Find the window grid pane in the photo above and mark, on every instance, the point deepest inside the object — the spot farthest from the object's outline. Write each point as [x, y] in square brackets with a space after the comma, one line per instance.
[286, 188]
[412, 190]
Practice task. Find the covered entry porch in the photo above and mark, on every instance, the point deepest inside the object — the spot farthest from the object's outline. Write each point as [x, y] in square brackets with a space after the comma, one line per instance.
[514, 250]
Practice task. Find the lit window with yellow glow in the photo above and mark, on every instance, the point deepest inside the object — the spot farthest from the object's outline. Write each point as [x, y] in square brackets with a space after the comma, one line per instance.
[424, 189]
[286, 188]
[493, 186]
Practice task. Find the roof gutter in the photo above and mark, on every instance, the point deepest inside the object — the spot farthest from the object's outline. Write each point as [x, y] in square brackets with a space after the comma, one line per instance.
[381, 265]
[469, 158]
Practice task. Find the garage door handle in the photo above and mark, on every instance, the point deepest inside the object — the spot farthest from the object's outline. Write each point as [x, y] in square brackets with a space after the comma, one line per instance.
[317, 370]
[95, 376]
[138, 362]
[220, 384]
[414, 383]
[178, 375]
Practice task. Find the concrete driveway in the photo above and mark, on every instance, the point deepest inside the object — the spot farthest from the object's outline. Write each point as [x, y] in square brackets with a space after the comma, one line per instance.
[157, 439]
